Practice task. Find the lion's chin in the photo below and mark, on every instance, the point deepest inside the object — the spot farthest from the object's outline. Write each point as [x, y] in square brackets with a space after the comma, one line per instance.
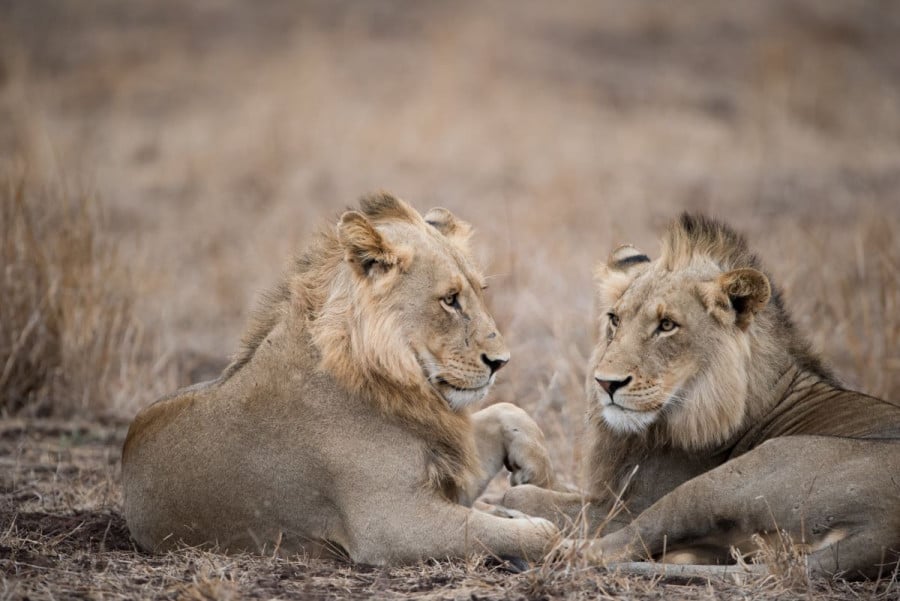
[460, 398]
[628, 421]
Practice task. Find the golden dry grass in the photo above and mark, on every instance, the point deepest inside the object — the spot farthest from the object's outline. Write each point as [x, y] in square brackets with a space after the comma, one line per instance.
[216, 136]
[68, 340]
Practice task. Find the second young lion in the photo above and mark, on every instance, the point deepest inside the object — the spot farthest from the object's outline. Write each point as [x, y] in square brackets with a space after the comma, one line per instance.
[712, 423]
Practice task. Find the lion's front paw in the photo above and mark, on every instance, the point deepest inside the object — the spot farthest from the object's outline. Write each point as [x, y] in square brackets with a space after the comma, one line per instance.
[526, 457]
[529, 467]
[528, 461]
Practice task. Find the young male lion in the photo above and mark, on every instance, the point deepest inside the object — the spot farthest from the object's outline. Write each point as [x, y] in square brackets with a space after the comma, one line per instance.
[712, 421]
[343, 422]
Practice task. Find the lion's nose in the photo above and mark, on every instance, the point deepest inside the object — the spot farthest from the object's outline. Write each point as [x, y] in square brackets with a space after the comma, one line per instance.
[494, 363]
[611, 386]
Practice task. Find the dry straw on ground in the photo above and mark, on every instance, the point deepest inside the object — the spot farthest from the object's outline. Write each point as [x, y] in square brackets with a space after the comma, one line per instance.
[161, 160]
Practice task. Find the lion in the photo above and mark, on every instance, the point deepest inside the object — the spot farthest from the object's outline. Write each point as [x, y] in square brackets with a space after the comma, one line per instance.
[343, 424]
[713, 425]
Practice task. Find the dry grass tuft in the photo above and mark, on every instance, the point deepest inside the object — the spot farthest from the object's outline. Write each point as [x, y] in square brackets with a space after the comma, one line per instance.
[69, 339]
[208, 586]
[784, 559]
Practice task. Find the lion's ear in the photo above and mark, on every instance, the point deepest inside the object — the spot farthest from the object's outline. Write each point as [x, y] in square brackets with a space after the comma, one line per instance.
[627, 259]
[739, 295]
[446, 223]
[615, 274]
[366, 249]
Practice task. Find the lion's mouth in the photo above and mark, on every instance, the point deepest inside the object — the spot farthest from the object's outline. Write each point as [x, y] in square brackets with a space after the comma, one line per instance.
[443, 382]
[628, 403]
[458, 397]
[617, 404]
[628, 409]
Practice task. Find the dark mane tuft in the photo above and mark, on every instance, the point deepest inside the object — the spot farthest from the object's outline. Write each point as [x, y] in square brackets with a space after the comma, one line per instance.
[693, 235]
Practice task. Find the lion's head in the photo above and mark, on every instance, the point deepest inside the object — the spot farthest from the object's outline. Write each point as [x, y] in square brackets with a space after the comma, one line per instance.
[674, 350]
[393, 300]
[418, 300]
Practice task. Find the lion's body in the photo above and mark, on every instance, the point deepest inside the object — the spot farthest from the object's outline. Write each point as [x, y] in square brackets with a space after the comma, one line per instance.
[325, 433]
[714, 422]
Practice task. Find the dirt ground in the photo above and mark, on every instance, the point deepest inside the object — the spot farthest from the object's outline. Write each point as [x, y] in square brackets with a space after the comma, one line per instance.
[213, 137]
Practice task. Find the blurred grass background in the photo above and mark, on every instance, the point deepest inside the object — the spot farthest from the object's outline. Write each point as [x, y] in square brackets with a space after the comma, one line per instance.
[161, 160]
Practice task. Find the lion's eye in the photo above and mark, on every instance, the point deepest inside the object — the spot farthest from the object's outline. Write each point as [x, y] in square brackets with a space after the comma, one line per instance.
[613, 319]
[451, 300]
[667, 325]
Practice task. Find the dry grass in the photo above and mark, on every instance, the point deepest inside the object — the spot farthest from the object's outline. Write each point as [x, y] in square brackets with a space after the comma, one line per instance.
[218, 135]
[69, 341]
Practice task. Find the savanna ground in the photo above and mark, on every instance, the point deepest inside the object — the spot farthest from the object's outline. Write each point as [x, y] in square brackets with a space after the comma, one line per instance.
[160, 160]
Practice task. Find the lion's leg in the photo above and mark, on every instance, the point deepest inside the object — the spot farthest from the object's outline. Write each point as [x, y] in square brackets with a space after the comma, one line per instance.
[833, 496]
[419, 528]
[507, 436]
[570, 511]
